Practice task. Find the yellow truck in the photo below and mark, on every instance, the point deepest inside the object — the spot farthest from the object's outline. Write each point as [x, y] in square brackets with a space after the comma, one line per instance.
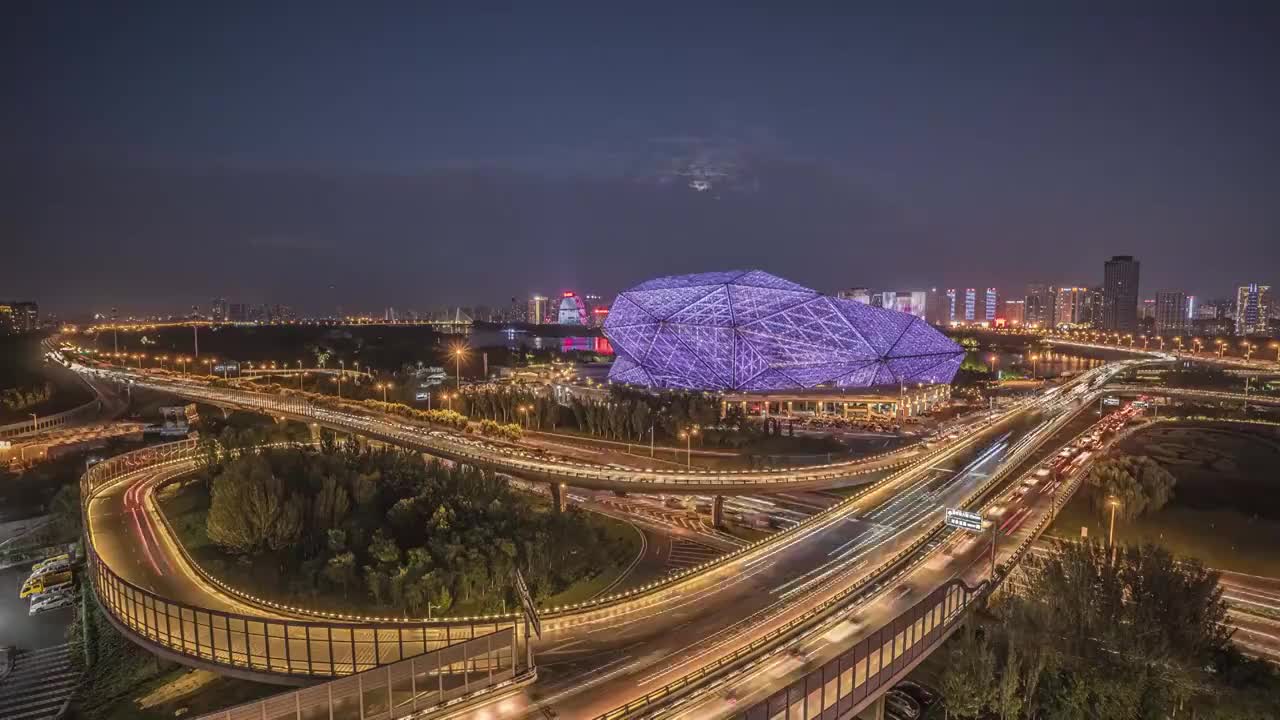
[46, 583]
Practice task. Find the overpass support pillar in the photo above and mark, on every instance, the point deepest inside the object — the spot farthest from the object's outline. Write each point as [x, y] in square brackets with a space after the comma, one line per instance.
[874, 711]
[717, 511]
[559, 491]
[315, 432]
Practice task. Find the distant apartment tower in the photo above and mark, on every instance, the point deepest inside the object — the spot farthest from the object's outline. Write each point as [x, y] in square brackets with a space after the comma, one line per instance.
[1120, 294]
[1171, 312]
[1253, 308]
[1039, 306]
[218, 310]
[935, 307]
[990, 303]
[908, 301]
[537, 310]
[19, 317]
[857, 294]
[1015, 311]
[1071, 306]
[970, 304]
[951, 306]
[238, 312]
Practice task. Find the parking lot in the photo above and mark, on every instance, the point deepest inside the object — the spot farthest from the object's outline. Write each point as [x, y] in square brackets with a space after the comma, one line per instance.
[21, 630]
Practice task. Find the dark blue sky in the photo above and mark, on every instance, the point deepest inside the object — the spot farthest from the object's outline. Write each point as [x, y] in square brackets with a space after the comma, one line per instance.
[419, 154]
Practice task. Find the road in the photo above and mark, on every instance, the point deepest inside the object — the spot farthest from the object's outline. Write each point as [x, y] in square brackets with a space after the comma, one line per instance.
[526, 462]
[595, 660]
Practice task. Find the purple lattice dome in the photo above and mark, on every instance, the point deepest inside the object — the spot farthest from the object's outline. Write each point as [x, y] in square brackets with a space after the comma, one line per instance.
[752, 331]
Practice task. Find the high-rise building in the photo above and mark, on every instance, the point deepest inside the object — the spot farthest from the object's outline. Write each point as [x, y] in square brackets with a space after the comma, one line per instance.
[537, 310]
[990, 304]
[857, 294]
[218, 310]
[970, 304]
[935, 307]
[19, 317]
[238, 312]
[1120, 294]
[1015, 311]
[1147, 309]
[951, 306]
[1253, 309]
[1070, 306]
[907, 301]
[1171, 312]
[1039, 306]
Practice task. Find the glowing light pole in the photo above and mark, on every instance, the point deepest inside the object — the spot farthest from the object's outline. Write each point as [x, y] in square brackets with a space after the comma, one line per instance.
[687, 436]
[1111, 534]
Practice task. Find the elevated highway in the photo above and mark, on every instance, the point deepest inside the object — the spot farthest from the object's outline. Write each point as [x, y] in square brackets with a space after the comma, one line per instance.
[530, 464]
[597, 657]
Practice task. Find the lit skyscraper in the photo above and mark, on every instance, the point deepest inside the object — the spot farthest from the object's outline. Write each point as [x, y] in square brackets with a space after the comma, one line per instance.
[1120, 294]
[1038, 306]
[951, 305]
[1253, 303]
[537, 310]
[989, 307]
[970, 304]
[1171, 312]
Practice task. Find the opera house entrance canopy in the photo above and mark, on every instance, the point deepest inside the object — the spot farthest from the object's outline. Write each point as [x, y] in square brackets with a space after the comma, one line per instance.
[751, 331]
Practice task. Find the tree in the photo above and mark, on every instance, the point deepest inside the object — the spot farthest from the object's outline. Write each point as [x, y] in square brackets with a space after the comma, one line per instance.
[341, 571]
[968, 682]
[250, 510]
[1007, 700]
[1139, 483]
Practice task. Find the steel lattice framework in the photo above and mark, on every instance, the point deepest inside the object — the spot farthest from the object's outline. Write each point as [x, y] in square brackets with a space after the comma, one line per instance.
[752, 331]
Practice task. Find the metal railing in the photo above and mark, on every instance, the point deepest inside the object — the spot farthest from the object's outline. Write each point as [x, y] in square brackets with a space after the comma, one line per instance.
[46, 422]
[873, 662]
[877, 660]
[401, 689]
[257, 643]
[296, 405]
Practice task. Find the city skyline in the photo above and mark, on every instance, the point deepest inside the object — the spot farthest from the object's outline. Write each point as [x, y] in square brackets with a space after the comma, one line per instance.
[193, 155]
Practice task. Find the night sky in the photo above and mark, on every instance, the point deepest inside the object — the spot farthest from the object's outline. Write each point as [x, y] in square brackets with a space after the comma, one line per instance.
[430, 153]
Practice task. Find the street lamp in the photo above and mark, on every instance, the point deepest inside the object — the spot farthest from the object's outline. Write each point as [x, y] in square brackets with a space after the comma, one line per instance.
[1034, 357]
[991, 363]
[339, 386]
[448, 397]
[524, 415]
[687, 436]
[1248, 349]
[383, 387]
[458, 351]
[1222, 346]
[1111, 534]
[300, 376]
[1276, 345]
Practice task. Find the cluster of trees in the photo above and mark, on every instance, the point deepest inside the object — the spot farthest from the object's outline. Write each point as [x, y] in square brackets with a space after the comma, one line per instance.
[21, 398]
[385, 525]
[1139, 484]
[1088, 635]
[503, 403]
[509, 432]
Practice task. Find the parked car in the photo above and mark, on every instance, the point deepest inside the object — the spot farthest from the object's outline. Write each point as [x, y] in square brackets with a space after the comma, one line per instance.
[45, 583]
[920, 693]
[51, 566]
[901, 705]
[51, 601]
[50, 560]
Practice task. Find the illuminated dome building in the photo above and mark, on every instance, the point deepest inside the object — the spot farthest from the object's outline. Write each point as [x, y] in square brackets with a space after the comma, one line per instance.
[750, 331]
[572, 310]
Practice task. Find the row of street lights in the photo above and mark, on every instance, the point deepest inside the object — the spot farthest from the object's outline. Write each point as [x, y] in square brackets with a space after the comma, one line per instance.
[1196, 343]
